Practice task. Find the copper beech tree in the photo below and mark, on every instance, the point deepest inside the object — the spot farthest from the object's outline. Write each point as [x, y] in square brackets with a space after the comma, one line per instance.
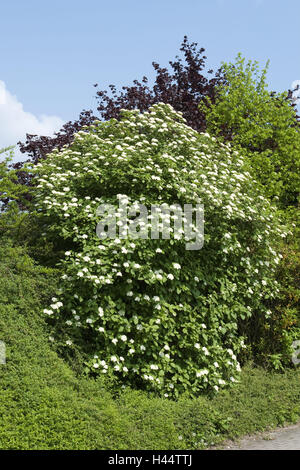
[183, 87]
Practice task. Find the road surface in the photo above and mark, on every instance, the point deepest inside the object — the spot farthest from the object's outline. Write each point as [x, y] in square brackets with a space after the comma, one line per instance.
[287, 438]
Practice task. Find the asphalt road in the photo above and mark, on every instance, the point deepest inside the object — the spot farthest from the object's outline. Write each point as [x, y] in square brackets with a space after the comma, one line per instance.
[282, 439]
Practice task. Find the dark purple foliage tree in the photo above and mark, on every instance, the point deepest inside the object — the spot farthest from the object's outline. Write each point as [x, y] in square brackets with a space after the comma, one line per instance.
[183, 87]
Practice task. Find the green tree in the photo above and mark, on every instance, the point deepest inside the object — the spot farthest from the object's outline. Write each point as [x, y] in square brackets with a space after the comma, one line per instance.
[15, 219]
[261, 124]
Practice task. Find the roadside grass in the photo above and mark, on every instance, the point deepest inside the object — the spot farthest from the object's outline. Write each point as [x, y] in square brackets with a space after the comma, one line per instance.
[44, 404]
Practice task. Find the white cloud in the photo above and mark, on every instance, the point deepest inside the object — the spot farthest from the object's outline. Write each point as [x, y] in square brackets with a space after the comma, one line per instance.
[15, 122]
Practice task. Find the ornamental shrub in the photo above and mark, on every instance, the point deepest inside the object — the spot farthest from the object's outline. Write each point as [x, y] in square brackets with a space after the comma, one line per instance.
[150, 312]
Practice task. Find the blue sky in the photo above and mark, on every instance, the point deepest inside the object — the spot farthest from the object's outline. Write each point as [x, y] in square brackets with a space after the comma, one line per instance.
[51, 53]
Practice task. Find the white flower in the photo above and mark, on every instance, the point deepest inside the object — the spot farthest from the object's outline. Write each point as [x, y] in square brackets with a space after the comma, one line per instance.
[89, 320]
[100, 311]
[69, 342]
[202, 372]
[114, 340]
[125, 369]
[124, 338]
[48, 312]
[113, 359]
[96, 365]
[176, 266]
[170, 276]
[55, 306]
[197, 346]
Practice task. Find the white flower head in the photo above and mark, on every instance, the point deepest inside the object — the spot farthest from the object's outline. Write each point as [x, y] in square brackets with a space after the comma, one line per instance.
[100, 311]
[176, 266]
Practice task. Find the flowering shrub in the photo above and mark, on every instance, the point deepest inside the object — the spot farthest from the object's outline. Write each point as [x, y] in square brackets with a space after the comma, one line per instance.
[149, 311]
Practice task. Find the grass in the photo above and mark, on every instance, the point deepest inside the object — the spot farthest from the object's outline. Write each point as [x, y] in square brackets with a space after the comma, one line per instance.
[45, 405]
